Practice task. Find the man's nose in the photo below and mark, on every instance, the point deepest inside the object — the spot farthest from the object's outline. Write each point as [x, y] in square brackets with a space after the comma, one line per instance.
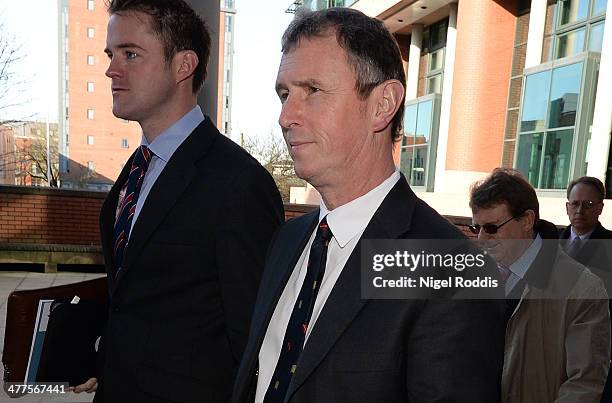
[291, 112]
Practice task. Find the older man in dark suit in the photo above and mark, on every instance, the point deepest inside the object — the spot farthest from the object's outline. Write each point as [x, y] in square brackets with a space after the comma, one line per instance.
[313, 337]
[185, 227]
[585, 239]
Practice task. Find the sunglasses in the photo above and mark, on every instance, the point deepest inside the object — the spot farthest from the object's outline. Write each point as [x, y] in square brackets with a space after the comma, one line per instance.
[586, 204]
[490, 228]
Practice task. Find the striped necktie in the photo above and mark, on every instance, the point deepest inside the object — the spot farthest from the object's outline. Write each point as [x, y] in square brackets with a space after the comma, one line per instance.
[295, 335]
[127, 205]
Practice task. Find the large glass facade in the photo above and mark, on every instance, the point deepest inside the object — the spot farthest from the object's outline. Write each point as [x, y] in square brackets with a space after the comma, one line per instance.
[549, 124]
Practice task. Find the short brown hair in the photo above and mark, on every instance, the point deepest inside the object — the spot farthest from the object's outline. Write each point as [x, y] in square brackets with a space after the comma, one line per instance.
[508, 186]
[177, 25]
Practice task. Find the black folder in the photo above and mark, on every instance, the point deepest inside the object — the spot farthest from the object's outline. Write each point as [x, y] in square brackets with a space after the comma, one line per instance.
[68, 353]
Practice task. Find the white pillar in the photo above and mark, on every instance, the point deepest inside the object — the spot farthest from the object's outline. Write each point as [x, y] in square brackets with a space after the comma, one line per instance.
[535, 39]
[210, 10]
[447, 91]
[602, 116]
[414, 60]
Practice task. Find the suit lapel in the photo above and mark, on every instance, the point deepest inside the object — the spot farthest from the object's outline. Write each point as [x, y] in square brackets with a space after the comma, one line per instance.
[169, 186]
[391, 221]
[289, 249]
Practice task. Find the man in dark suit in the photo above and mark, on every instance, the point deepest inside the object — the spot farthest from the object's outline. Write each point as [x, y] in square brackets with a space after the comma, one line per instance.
[584, 205]
[313, 337]
[185, 227]
[585, 239]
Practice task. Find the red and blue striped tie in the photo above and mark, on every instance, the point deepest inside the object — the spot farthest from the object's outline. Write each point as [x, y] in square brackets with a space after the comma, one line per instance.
[297, 327]
[127, 205]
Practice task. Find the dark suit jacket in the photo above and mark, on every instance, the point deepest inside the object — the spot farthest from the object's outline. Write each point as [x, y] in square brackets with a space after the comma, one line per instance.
[592, 254]
[382, 350]
[180, 311]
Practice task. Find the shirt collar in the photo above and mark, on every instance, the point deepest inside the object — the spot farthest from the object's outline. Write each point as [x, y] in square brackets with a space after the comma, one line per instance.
[170, 139]
[350, 219]
[582, 237]
[521, 265]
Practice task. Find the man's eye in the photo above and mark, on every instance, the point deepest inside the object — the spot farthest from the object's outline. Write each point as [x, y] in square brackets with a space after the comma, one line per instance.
[312, 90]
[283, 96]
[130, 55]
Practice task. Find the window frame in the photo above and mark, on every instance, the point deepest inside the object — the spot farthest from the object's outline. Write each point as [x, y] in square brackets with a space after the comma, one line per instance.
[584, 112]
[562, 30]
[432, 144]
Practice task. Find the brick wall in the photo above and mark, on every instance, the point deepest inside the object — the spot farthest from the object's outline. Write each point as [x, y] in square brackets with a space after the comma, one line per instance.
[49, 216]
[68, 217]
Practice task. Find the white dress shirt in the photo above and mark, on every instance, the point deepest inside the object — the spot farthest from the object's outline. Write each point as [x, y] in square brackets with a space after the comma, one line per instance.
[347, 224]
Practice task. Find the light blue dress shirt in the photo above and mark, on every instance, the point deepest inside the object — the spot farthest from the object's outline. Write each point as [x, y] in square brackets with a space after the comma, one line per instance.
[519, 268]
[163, 147]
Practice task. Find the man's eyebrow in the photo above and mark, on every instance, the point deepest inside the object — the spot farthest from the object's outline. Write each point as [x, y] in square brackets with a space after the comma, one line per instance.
[311, 82]
[124, 46]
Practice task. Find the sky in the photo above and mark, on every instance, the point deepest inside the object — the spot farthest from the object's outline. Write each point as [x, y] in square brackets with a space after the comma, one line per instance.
[258, 29]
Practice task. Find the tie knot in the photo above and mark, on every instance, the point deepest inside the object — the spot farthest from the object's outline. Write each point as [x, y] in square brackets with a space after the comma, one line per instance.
[146, 153]
[324, 231]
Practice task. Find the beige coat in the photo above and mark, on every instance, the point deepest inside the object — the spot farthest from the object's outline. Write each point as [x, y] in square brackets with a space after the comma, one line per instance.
[557, 350]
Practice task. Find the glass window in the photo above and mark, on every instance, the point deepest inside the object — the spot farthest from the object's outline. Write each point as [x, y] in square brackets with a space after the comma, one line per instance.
[596, 37]
[124, 143]
[90, 165]
[90, 114]
[90, 60]
[410, 121]
[535, 101]
[434, 84]
[436, 60]
[90, 140]
[90, 32]
[423, 128]
[572, 11]
[90, 86]
[529, 156]
[570, 44]
[564, 94]
[437, 35]
[90, 4]
[599, 6]
[418, 119]
[557, 158]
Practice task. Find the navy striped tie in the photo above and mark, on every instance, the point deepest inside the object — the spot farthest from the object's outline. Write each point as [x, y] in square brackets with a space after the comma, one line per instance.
[127, 205]
[293, 343]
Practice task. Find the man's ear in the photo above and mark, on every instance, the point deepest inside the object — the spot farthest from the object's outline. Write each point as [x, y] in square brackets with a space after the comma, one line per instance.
[528, 220]
[388, 98]
[185, 63]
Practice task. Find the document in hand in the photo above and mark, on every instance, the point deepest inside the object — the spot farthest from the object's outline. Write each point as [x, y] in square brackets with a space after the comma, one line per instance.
[68, 351]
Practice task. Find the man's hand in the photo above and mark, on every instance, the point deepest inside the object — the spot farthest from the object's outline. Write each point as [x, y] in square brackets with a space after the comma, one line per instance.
[90, 386]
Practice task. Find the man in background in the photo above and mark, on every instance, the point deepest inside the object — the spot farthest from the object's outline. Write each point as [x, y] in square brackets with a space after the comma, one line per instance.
[557, 344]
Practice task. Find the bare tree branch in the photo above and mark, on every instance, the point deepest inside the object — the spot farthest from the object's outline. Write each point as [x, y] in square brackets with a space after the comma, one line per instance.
[271, 152]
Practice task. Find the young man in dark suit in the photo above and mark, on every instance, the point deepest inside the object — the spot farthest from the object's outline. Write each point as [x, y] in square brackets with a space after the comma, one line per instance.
[185, 227]
[313, 337]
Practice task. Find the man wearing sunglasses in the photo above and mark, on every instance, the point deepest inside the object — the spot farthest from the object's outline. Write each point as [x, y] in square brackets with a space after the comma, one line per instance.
[557, 345]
